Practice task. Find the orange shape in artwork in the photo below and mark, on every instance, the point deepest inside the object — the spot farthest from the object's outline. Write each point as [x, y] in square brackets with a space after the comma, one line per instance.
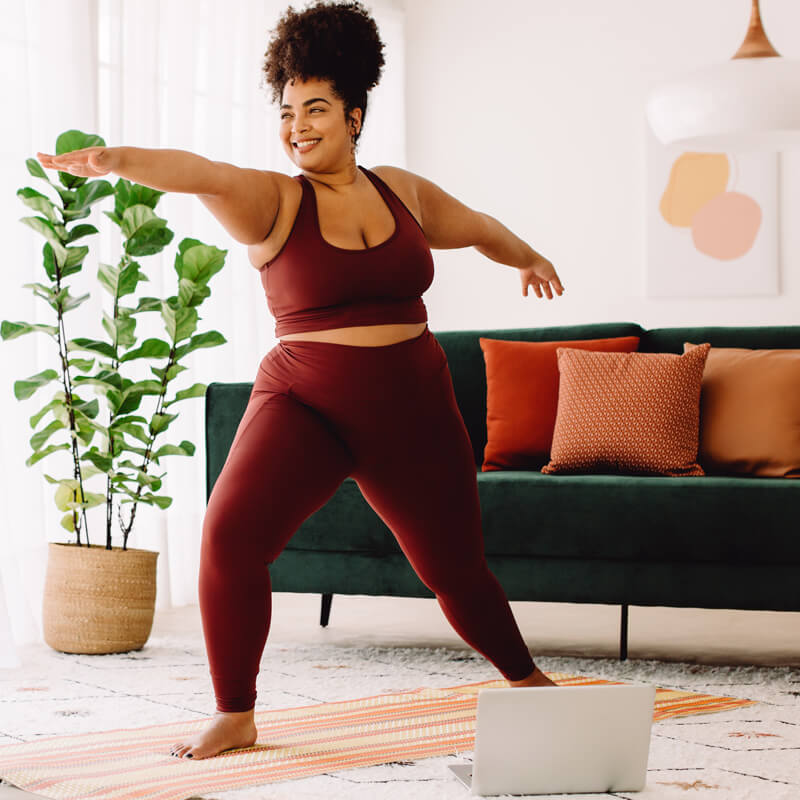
[727, 225]
[693, 180]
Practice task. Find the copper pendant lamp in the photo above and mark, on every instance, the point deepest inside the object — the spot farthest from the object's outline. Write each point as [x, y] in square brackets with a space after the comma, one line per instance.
[751, 102]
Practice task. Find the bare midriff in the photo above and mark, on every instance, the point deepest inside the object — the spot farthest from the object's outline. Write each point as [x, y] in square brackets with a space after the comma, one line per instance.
[362, 335]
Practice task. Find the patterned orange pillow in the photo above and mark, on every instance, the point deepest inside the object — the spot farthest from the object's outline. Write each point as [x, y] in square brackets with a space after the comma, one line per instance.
[522, 397]
[628, 412]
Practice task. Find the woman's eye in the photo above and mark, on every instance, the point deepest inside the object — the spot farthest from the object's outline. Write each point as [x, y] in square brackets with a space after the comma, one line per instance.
[283, 116]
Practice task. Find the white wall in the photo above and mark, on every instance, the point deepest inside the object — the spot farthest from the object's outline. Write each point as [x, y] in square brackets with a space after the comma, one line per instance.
[533, 111]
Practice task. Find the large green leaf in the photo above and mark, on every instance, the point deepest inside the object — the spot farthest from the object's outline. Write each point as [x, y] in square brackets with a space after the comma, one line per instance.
[92, 499]
[40, 437]
[180, 322]
[93, 345]
[75, 256]
[39, 202]
[40, 290]
[79, 231]
[101, 460]
[85, 430]
[46, 229]
[25, 388]
[149, 348]
[87, 195]
[160, 422]
[185, 448]
[198, 262]
[145, 232]
[142, 387]
[121, 329]
[137, 431]
[68, 492]
[148, 304]
[81, 364]
[174, 370]
[49, 261]
[40, 454]
[89, 409]
[130, 194]
[130, 276]
[55, 403]
[108, 277]
[105, 378]
[196, 390]
[36, 169]
[191, 293]
[68, 302]
[11, 330]
[208, 339]
[129, 418]
[153, 500]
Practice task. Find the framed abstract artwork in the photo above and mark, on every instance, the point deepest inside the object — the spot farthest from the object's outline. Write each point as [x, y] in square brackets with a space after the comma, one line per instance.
[712, 222]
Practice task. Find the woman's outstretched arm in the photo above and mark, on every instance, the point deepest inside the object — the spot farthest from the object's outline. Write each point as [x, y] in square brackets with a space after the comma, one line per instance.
[448, 224]
[245, 201]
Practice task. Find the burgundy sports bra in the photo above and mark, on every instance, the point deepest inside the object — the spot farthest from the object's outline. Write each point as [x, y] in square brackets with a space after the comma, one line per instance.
[314, 285]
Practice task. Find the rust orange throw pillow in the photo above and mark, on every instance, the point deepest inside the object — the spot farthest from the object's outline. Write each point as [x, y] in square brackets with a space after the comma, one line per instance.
[522, 397]
[628, 412]
[750, 412]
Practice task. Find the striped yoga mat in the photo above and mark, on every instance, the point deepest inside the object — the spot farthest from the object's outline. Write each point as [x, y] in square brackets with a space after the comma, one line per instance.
[298, 742]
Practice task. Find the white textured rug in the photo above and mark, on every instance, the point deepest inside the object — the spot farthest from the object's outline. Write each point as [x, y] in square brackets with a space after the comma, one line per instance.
[752, 752]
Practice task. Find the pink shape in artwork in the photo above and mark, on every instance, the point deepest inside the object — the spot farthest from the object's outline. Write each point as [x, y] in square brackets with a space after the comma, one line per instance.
[727, 225]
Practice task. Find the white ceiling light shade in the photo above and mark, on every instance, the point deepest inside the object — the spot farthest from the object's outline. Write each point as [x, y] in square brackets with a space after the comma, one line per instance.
[751, 102]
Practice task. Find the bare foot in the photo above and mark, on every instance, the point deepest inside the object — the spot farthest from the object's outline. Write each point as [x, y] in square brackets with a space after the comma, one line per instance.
[227, 731]
[536, 678]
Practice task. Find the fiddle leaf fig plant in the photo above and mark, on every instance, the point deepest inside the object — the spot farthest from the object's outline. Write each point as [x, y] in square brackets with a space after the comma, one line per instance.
[110, 436]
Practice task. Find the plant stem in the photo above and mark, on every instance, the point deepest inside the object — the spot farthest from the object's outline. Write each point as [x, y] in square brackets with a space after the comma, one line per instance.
[62, 351]
[149, 448]
[111, 415]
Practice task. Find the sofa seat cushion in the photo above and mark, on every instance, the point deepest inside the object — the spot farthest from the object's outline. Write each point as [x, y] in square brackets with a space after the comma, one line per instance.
[630, 517]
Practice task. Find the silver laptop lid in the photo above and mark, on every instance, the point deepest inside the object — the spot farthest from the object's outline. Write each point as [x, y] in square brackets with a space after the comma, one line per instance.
[562, 739]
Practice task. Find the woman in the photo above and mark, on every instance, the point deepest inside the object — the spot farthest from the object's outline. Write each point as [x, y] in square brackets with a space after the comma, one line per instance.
[357, 385]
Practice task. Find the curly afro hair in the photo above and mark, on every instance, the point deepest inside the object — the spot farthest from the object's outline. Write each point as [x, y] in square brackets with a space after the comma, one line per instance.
[338, 42]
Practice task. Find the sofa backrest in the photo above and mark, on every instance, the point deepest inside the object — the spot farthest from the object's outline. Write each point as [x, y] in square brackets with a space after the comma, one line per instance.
[225, 402]
[755, 337]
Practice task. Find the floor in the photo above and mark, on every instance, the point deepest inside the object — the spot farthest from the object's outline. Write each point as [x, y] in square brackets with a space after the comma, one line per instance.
[550, 629]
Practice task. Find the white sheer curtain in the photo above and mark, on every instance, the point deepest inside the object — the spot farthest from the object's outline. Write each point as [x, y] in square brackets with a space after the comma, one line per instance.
[180, 74]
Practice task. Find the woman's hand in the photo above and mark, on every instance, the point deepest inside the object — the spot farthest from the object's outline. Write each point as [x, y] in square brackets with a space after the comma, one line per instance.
[540, 274]
[89, 162]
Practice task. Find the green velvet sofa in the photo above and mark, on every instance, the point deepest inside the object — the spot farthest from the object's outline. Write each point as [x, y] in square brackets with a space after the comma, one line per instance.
[703, 542]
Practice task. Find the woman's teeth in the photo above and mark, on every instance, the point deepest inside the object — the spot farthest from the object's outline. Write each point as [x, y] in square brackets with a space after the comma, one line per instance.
[302, 147]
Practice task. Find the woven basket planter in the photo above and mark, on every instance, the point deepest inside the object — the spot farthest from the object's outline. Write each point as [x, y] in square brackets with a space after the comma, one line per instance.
[98, 600]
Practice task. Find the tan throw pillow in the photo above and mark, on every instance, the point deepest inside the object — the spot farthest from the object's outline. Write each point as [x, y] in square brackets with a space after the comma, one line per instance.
[750, 412]
[628, 412]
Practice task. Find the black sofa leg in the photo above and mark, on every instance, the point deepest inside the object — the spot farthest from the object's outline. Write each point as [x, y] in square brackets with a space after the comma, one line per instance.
[325, 613]
[623, 634]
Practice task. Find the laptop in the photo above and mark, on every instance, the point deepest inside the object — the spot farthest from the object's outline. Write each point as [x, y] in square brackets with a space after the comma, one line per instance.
[560, 739]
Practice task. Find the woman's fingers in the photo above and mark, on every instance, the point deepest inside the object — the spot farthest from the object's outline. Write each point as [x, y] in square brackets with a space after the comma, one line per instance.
[76, 162]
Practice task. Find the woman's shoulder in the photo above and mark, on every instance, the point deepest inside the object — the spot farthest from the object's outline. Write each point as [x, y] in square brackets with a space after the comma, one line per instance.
[404, 184]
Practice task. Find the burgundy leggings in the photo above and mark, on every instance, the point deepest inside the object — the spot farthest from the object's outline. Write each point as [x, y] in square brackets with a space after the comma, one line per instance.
[318, 413]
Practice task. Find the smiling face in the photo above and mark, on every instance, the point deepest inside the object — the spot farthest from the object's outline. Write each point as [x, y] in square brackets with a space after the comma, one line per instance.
[310, 110]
